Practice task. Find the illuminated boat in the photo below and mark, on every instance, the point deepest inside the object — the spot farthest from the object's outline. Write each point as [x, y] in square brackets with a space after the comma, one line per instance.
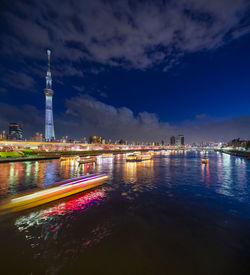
[131, 157]
[86, 160]
[138, 157]
[145, 157]
[104, 156]
[60, 190]
[74, 157]
[204, 160]
[165, 152]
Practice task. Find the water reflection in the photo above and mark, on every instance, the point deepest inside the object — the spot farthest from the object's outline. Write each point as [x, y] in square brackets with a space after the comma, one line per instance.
[152, 205]
[105, 163]
[205, 174]
[226, 184]
[69, 168]
[18, 176]
[130, 173]
[219, 168]
[240, 164]
[80, 202]
[139, 177]
[43, 229]
[227, 175]
[136, 171]
[21, 176]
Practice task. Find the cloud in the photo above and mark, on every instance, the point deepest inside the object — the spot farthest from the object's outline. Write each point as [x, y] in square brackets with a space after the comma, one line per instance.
[3, 90]
[131, 34]
[103, 94]
[79, 88]
[31, 117]
[218, 130]
[86, 116]
[128, 34]
[200, 116]
[19, 80]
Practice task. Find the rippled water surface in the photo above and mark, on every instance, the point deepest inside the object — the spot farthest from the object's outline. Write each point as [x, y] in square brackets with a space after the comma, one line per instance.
[168, 215]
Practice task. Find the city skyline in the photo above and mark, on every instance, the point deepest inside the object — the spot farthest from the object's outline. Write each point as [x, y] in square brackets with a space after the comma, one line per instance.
[113, 85]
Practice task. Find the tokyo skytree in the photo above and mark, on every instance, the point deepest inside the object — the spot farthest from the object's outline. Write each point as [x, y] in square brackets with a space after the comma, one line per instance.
[49, 123]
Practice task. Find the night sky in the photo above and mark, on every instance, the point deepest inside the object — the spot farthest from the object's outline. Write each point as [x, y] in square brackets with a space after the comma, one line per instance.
[137, 70]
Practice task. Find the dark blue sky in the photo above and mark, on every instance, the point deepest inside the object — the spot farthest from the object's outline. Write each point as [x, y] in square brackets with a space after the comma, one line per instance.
[123, 70]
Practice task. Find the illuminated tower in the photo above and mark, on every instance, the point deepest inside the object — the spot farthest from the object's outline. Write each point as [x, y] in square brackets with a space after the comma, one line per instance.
[49, 123]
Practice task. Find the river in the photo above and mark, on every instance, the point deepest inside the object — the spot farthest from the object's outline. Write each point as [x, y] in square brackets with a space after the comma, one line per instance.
[168, 215]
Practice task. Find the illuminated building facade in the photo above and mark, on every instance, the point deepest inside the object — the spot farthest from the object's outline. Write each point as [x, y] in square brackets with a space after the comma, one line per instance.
[95, 139]
[15, 131]
[3, 135]
[49, 123]
[180, 140]
[38, 137]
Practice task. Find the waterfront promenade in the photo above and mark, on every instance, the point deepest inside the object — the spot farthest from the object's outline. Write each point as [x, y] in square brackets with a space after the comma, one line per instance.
[29, 150]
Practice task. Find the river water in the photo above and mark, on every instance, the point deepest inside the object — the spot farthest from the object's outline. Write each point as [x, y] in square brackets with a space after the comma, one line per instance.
[168, 215]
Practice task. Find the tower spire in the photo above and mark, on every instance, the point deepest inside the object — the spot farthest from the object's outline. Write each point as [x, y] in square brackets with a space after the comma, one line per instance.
[48, 76]
[48, 53]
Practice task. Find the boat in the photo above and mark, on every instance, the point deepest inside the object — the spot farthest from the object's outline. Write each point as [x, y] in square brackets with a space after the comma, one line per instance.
[86, 160]
[204, 160]
[138, 157]
[58, 191]
[145, 157]
[131, 157]
[73, 157]
[165, 152]
[104, 156]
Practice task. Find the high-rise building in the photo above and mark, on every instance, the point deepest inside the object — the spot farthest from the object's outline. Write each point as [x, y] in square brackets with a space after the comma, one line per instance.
[3, 136]
[15, 131]
[172, 140]
[95, 139]
[121, 141]
[180, 140]
[49, 123]
[37, 137]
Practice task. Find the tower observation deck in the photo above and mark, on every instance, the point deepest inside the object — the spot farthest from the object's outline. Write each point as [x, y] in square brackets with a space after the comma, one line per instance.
[49, 122]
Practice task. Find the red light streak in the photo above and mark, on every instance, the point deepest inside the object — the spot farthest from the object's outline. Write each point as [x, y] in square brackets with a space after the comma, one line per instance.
[74, 204]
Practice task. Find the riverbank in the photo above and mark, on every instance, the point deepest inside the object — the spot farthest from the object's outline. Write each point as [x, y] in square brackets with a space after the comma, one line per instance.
[9, 159]
[236, 153]
[56, 155]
